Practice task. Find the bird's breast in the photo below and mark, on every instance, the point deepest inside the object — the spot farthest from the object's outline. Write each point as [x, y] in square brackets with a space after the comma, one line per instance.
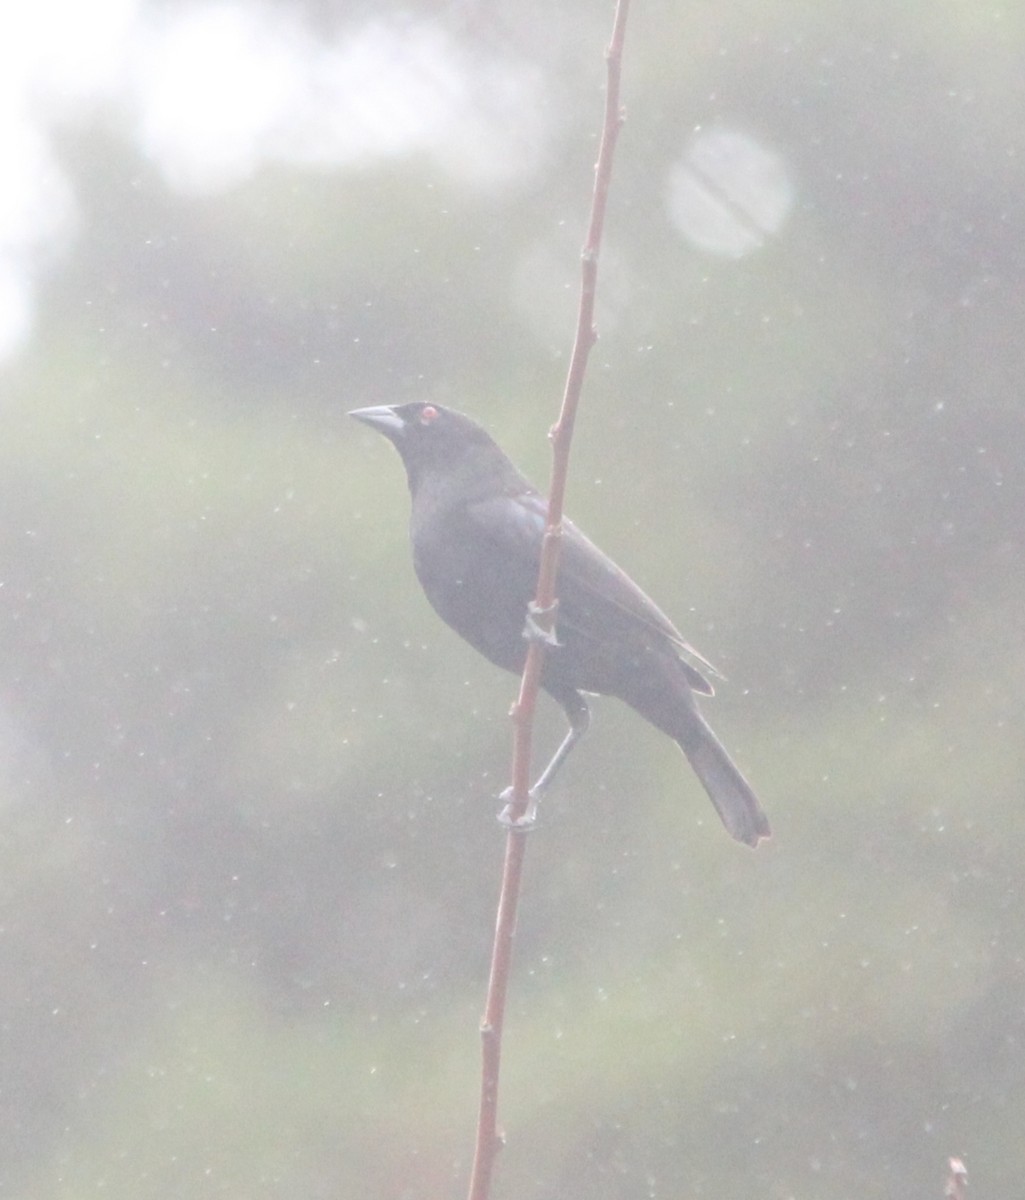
[473, 589]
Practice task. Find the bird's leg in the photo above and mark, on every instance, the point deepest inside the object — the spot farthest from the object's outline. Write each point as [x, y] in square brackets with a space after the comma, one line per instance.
[533, 631]
[579, 715]
[579, 720]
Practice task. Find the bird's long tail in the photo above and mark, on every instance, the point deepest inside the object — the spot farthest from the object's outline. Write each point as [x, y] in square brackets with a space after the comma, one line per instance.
[729, 791]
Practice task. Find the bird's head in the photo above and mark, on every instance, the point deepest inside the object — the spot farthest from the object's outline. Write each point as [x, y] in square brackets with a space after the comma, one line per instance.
[430, 438]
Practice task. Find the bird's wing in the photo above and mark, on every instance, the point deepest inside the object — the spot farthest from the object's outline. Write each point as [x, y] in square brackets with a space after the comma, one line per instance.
[588, 578]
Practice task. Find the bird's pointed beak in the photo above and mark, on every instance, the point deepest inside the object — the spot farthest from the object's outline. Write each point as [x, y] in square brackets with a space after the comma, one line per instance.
[381, 417]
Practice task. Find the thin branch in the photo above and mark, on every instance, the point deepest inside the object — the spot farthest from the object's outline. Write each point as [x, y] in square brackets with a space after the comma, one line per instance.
[561, 435]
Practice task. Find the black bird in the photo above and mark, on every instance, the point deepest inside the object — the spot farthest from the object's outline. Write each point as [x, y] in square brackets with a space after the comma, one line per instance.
[477, 526]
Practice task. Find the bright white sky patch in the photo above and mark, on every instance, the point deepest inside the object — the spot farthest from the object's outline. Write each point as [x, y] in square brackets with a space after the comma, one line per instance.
[15, 312]
[223, 88]
[56, 53]
[212, 83]
[213, 91]
[362, 108]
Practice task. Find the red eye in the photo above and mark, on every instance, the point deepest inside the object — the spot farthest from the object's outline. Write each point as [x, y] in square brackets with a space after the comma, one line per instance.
[428, 414]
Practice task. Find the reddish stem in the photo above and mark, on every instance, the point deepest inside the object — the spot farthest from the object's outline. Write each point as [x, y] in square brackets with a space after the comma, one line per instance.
[561, 434]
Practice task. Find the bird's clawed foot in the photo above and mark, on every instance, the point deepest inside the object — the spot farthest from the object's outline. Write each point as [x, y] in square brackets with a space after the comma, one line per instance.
[533, 631]
[524, 823]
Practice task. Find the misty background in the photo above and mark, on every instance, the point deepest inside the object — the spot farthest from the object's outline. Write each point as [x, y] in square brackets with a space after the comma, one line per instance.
[248, 855]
